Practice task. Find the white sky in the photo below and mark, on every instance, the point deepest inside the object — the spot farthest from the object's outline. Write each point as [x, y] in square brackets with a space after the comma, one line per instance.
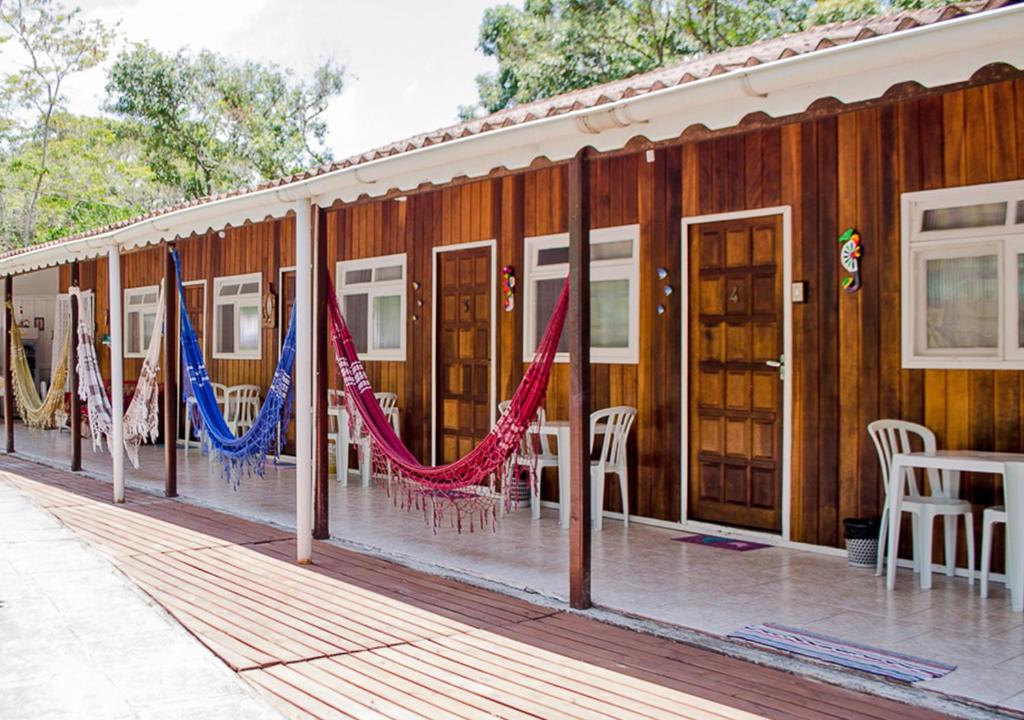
[411, 63]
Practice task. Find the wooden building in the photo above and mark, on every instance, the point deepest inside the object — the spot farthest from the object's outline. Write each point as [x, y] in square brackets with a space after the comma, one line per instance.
[716, 192]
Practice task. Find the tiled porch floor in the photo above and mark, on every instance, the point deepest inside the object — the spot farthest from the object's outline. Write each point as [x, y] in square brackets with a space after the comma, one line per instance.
[640, 571]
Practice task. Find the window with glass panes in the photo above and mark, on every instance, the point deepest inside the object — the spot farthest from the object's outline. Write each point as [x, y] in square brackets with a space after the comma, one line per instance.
[371, 293]
[236, 316]
[963, 277]
[140, 306]
[614, 292]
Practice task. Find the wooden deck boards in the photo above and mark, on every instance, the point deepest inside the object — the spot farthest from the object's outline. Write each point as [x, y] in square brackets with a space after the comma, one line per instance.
[357, 637]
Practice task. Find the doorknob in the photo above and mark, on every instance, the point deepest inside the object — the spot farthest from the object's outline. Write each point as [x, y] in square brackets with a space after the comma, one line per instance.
[779, 364]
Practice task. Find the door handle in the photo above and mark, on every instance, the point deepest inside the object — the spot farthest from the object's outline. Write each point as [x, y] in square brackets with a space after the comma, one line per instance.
[779, 364]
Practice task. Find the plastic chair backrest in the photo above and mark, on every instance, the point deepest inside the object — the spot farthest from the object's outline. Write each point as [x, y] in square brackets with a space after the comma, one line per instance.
[616, 422]
[892, 437]
[242, 404]
[388, 401]
[335, 398]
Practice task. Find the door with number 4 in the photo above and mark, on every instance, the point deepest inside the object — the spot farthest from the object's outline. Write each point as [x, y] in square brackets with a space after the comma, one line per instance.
[735, 373]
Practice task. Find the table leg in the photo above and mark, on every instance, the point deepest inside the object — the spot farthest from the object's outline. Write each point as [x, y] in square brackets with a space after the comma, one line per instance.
[563, 476]
[1013, 494]
[343, 440]
[895, 511]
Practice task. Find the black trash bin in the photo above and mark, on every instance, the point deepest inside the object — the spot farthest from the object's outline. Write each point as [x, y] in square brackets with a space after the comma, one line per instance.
[861, 541]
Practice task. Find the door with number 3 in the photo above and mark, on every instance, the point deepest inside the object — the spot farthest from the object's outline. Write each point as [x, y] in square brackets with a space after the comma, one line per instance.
[735, 373]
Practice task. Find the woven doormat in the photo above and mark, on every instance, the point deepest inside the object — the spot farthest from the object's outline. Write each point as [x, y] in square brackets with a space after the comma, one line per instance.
[905, 668]
[721, 542]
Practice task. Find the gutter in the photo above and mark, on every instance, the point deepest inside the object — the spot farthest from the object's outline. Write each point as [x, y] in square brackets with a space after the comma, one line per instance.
[943, 53]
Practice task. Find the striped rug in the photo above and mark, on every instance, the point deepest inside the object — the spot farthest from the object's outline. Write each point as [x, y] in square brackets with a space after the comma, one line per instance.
[904, 668]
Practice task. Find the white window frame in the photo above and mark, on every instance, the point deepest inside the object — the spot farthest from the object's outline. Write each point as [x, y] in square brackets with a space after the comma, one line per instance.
[1005, 241]
[375, 289]
[143, 310]
[616, 269]
[218, 283]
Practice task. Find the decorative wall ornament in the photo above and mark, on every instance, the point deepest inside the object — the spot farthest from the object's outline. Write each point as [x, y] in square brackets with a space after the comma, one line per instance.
[508, 285]
[849, 257]
[662, 273]
[661, 309]
[668, 290]
[268, 309]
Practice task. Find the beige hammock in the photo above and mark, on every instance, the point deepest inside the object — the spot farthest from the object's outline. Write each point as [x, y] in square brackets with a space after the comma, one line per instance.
[37, 412]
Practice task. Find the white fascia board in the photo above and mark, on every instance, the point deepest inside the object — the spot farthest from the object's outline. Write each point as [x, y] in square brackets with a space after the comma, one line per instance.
[934, 55]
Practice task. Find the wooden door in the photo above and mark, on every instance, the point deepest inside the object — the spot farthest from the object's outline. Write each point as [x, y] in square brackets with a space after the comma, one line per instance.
[736, 330]
[195, 302]
[285, 301]
[195, 305]
[463, 347]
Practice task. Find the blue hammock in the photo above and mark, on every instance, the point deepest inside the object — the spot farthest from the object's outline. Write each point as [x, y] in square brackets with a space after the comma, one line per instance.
[237, 455]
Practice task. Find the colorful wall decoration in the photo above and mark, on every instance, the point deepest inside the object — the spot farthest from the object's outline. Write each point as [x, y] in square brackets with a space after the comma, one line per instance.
[849, 258]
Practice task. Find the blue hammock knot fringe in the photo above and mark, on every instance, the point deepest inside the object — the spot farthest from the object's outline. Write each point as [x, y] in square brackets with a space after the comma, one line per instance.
[246, 454]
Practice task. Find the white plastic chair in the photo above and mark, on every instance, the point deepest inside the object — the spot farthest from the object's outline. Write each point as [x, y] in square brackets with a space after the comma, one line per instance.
[220, 393]
[989, 519]
[539, 448]
[335, 436]
[388, 402]
[614, 424]
[892, 437]
[242, 403]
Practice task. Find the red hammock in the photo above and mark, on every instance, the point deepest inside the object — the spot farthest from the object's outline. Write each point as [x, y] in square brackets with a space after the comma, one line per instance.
[466, 484]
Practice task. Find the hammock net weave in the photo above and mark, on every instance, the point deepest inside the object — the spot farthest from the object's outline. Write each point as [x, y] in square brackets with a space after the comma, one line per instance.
[247, 453]
[463, 490]
[142, 418]
[37, 412]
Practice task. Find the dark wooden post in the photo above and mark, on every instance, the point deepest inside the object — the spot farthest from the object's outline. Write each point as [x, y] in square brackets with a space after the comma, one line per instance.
[76, 404]
[579, 382]
[170, 372]
[8, 384]
[321, 285]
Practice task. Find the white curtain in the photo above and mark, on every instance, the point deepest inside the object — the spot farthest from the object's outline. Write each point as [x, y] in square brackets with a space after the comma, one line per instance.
[61, 319]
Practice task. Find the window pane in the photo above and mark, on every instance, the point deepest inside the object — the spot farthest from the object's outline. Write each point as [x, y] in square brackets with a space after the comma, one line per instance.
[553, 256]
[228, 290]
[355, 307]
[387, 322]
[391, 272]
[150, 298]
[135, 300]
[609, 314]
[1020, 212]
[225, 328]
[248, 327]
[250, 288]
[611, 250]
[965, 216]
[358, 276]
[148, 322]
[133, 333]
[1020, 301]
[963, 302]
[547, 296]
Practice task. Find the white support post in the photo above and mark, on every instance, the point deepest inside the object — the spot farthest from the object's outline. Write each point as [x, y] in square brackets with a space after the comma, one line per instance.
[303, 377]
[116, 371]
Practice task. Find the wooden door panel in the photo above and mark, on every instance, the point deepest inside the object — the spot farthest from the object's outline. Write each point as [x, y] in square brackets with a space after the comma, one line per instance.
[735, 398]
[463, 351]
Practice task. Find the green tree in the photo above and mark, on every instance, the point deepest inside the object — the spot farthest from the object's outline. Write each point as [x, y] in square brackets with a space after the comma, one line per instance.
[50, 43]
[97, 175]
[553, 46]
[207, 123]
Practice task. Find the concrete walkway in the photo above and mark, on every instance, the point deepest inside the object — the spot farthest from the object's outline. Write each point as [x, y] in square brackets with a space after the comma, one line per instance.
[79, 640]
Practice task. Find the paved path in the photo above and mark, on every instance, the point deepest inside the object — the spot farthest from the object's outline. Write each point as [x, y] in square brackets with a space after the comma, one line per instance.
[79, 640]
[357, 637]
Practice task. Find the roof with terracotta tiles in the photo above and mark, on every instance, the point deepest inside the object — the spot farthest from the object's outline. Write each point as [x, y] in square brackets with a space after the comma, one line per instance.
[696, 68]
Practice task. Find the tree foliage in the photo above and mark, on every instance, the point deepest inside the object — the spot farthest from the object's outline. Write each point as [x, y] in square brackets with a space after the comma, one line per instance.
[207, 123]
[553, 46]
[96, 176]
[49, 44]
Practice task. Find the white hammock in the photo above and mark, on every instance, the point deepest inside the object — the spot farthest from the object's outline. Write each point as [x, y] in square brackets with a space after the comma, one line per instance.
[142, 418]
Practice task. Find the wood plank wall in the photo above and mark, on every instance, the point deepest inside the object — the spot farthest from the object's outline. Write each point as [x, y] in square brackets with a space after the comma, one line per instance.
[837, 171]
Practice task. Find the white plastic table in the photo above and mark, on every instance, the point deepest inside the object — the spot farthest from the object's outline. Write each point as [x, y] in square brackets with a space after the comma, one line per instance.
[1009, 465]
[559, 429]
